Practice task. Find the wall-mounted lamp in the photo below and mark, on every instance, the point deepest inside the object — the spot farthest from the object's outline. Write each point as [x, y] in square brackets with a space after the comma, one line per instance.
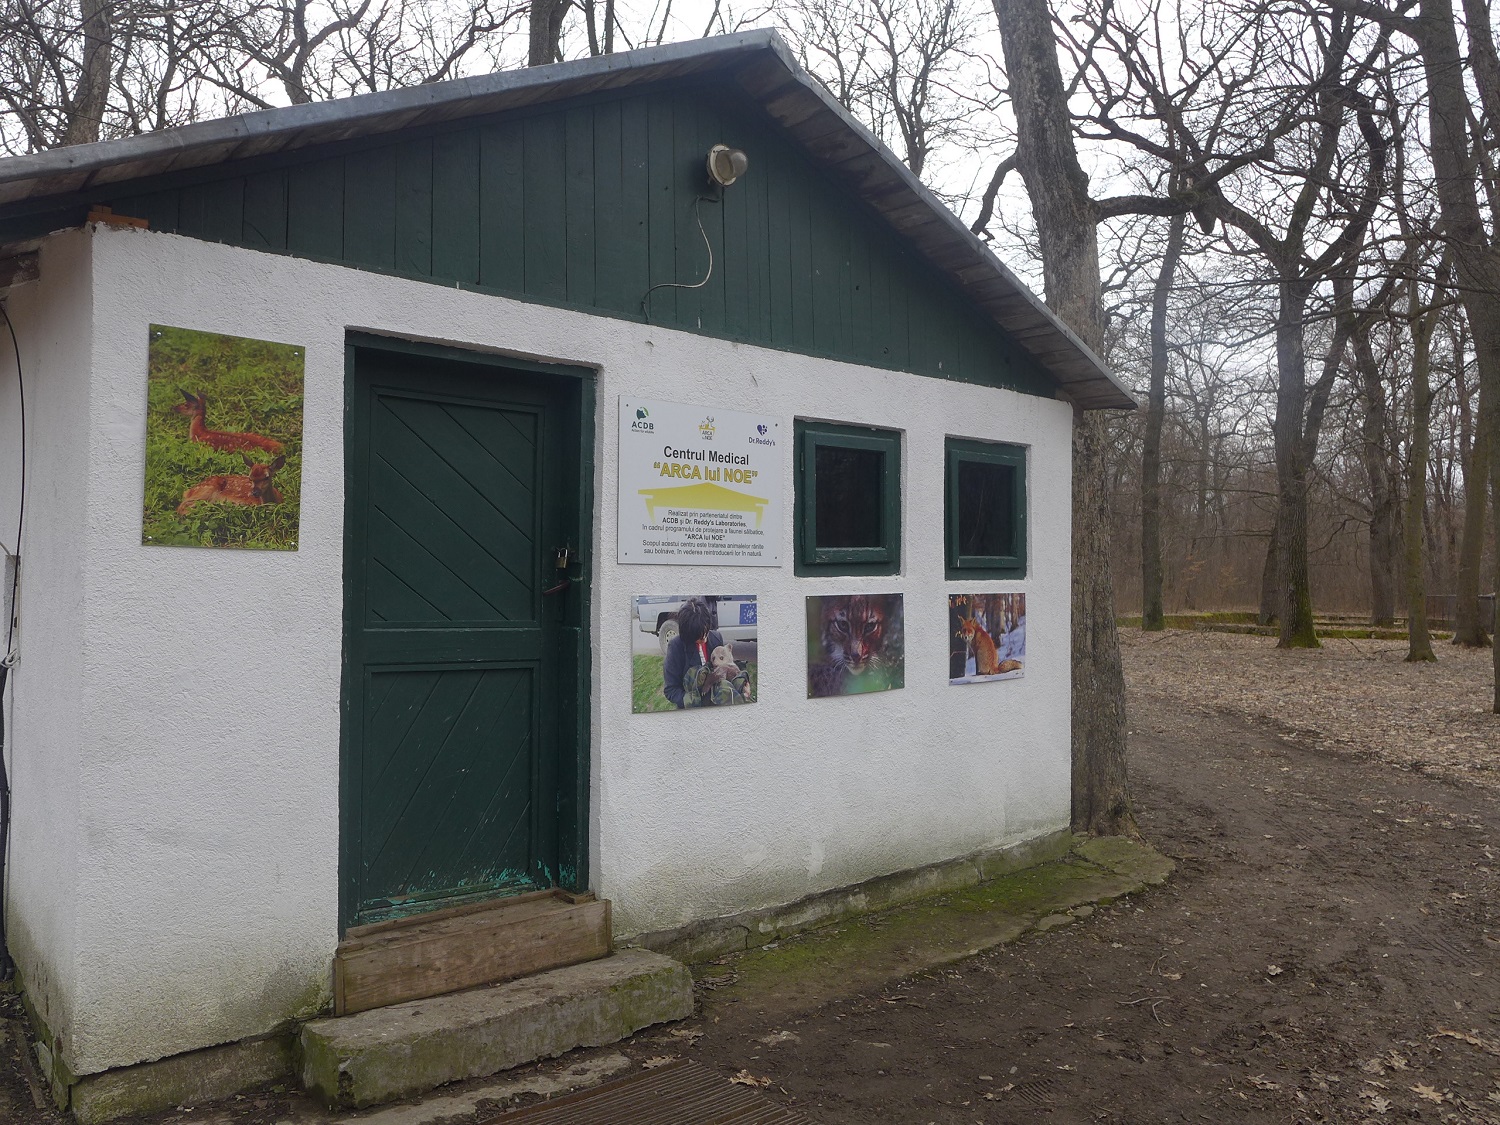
[725, 164]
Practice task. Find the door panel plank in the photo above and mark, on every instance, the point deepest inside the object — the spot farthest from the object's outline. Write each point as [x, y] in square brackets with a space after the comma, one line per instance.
[503, 516]
[422, 846]
[391, 599]
[461, 543]
[466, 583]
[394, 704]
[477, 452]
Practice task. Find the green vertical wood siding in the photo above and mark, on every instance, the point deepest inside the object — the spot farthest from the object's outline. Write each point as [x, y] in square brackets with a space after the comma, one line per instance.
[588, 205]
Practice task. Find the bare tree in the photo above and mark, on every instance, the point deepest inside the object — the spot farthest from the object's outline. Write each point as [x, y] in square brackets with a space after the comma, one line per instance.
[1476, 260]
[1298, 266]
[1474, 463]
[908, 70]
[1067, 219]
[56, 60]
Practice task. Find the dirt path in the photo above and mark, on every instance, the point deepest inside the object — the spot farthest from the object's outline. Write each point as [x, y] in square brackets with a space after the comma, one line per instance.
[1331, 936]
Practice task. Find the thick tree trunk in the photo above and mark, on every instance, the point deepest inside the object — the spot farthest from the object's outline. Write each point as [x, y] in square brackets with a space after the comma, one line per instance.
[1374, 432]
[91, 98]
[1101, 792]
[545, 24]
[1294, 590]
[1066, 222]
[1153, 614]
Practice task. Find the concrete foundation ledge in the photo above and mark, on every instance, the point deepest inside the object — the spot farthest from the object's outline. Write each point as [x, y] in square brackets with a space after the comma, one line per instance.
[716, 937]
[388, 1053]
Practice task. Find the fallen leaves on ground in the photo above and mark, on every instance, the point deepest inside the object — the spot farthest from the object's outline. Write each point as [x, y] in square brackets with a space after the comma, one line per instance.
[1378, 1103]
[745, 1078]
[1473, 1040]
[1350, 696]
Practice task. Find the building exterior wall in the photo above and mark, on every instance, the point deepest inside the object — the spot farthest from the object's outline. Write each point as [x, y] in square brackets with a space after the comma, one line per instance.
[47, 689]
[204, 812]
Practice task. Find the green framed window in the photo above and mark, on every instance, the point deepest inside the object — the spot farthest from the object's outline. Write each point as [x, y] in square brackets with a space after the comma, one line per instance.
[984, 509]
[848, 499]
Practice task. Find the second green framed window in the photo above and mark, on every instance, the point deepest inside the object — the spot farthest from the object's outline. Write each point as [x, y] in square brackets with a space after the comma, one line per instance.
[848, 499]
[985, 509]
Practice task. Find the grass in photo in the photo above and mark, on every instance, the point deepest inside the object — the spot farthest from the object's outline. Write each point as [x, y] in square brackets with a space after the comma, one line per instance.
[223, 441]
[690, 651]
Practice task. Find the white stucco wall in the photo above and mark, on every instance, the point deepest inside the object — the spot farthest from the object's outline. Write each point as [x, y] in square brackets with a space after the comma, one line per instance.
[196, 806]
[45, 706]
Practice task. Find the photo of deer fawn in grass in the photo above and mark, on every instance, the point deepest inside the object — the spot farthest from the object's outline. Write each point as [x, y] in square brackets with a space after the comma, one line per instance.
[196, 408]
[251, 491]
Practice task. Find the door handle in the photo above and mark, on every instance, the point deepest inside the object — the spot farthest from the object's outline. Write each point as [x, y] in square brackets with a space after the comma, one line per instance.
[559, 588]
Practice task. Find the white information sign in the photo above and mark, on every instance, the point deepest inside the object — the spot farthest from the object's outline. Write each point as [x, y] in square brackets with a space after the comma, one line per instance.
[698, 485]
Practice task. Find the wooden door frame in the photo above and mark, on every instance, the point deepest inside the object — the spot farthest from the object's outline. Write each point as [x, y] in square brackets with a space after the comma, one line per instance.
[573, 814]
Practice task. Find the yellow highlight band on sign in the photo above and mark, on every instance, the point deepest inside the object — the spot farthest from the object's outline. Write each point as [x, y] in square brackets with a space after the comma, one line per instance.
[703, 497]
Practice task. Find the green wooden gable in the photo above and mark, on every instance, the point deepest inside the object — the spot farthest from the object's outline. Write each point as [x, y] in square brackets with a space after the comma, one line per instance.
[587, 204]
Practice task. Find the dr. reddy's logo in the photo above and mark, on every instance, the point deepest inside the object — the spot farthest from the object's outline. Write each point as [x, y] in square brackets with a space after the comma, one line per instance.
[706, 428]
[641, 425]
[761, 429]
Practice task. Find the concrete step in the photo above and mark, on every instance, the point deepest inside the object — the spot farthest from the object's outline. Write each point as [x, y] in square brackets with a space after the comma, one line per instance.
[388, 1053]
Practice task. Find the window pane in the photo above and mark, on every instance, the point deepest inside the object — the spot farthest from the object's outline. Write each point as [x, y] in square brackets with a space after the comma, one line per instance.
[986, 508]
[848, 490]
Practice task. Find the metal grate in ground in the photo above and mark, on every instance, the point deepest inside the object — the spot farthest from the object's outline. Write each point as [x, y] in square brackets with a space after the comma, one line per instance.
[679, 1093]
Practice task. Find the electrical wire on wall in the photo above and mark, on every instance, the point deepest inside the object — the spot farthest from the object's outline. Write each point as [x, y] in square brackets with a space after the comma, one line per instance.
[723, 167]
[8, 661]
[707, 245]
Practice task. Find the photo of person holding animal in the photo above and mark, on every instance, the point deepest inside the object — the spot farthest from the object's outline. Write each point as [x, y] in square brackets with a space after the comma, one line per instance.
[986, 637]
[707, 647]
[223, 441]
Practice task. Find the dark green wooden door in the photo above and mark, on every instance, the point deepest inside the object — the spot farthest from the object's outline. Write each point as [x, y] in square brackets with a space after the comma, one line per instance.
[460, 678]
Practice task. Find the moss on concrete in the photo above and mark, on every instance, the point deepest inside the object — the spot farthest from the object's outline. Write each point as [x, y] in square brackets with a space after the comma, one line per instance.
[717, 937]
[867, 952]
[1125, 856]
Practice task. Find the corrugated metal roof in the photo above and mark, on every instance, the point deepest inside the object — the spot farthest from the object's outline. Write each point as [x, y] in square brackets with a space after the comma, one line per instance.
[758, 62]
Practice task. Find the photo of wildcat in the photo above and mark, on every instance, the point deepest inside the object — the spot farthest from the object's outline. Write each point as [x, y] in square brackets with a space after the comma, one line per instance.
[986, 637]
[856, 643]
